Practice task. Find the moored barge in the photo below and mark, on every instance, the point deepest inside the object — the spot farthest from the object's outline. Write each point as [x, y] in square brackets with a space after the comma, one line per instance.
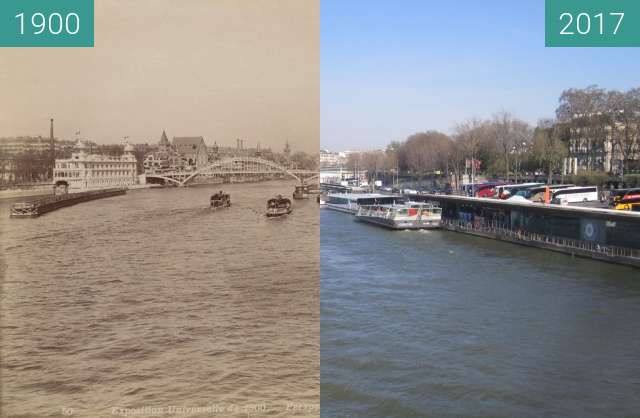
[37, 207]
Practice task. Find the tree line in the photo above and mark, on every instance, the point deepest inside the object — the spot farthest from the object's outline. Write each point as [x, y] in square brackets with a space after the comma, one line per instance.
[587, 120]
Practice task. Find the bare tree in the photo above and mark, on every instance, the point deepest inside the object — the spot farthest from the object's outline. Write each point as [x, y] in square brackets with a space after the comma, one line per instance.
[584, 112]
[625, 132]
[548, 147]
[427, 152]
[469, 137]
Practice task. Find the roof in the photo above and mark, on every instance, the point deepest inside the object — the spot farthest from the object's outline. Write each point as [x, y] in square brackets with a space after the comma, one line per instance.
[188, 143]
[163, 139]
[608, 214]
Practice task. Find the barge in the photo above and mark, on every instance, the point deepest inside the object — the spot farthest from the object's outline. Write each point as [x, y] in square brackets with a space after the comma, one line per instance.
[602, 234]
[37, 207]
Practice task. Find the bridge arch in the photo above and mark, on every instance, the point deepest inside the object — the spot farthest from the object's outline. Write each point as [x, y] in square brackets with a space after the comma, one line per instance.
[234, 166]
[238, 165]
[165, 178]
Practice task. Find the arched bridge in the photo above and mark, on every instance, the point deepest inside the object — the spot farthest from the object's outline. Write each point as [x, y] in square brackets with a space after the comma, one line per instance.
[234, 166]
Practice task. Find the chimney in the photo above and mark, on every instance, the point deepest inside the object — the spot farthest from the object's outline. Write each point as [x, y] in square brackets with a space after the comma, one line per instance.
[52, 149]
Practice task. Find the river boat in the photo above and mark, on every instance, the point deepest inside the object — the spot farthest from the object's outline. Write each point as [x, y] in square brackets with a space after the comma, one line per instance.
[409, 215]
[351, 202]
[278, 206]
[301, 192]
[220, 200]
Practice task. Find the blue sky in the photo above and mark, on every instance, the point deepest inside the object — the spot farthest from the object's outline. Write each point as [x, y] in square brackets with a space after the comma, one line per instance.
[393, 68]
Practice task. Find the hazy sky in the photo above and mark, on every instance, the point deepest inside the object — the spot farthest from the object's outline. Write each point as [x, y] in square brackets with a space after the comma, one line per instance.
[392, 68]
[223, 69]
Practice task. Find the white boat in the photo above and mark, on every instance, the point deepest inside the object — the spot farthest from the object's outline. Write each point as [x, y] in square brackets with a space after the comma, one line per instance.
[410, 215]
[350, 202]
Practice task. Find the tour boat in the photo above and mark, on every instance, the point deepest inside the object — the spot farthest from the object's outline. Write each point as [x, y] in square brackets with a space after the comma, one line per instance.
[410, 215]
[350, 202]
[220, 200]
[278, 206]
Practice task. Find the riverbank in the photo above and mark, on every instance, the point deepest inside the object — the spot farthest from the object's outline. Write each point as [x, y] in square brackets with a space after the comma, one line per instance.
[562, 245]
[30, 191]
[600, 234]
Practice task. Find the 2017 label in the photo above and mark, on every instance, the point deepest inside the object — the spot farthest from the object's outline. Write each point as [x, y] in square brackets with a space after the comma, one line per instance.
[586, 23]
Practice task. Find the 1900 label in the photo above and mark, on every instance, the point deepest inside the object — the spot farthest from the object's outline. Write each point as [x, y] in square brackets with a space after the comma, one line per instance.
[46, 23]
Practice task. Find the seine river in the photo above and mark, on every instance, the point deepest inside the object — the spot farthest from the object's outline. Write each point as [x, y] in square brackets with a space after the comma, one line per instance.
[150, 304]
[439, 324]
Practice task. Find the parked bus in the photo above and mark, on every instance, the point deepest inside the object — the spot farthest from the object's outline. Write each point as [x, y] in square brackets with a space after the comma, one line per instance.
[630, 200]
[487, 189]
[504, 191]
[633, 206]
[615, 196]
[536, 193]
[576, 194]
[631, 195]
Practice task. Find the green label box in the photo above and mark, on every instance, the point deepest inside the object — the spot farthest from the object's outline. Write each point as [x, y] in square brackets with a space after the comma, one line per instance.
[592, 23]
[46, 23]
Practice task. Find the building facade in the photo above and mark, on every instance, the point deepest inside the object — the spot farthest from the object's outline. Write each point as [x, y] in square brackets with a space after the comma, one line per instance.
[183, 153]
[605, 149]
[192, 149]
[86, 171]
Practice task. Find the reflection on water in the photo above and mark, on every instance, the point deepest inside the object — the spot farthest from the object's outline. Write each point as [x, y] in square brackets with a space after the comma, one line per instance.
[153, 300]
[442, 324]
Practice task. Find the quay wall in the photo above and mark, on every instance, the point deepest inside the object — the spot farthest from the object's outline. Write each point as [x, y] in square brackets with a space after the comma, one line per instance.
[576, 248]
[602, 234]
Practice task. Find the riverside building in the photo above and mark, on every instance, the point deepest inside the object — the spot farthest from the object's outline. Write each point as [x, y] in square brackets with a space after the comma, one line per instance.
[86, 171]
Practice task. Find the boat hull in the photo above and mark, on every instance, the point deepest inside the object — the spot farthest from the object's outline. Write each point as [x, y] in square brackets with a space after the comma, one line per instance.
[275, 214]
[351, 211]
[400, 224]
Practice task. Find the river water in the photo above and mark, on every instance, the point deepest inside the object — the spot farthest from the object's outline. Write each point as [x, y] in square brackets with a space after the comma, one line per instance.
[440, 324]
[151, 302]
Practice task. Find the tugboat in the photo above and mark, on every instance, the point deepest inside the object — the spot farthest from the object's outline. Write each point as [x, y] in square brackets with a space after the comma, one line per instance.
[301, 192]
[220, 200]
[278, 206]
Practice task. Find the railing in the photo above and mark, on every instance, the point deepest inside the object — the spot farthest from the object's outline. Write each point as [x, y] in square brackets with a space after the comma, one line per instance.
[519, 235]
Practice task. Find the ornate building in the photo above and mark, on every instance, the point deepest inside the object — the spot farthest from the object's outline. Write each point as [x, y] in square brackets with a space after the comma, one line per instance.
[84, 171]
[185, 153]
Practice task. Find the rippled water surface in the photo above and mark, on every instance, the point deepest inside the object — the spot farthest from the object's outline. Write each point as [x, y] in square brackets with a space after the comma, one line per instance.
[151, 300]
[440, 324]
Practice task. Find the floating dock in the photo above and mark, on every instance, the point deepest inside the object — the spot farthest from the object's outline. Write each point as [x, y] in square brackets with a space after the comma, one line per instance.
[602, 234]
[37, 207]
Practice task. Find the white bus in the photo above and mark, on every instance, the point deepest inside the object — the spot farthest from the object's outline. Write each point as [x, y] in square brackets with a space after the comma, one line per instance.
[576, 194]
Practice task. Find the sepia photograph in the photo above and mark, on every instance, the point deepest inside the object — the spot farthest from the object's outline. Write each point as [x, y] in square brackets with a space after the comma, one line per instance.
[159, 214]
